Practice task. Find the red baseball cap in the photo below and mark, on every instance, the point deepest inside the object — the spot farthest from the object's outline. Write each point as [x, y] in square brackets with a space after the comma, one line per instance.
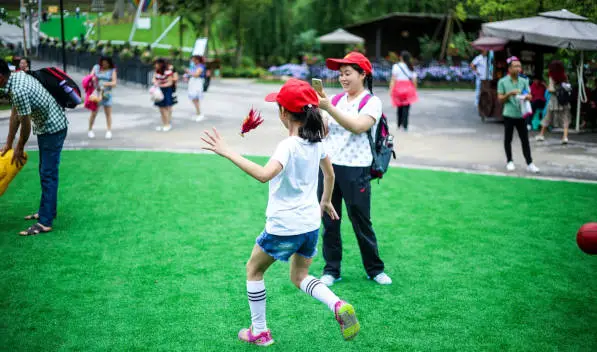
[351, 58]
[294, 96]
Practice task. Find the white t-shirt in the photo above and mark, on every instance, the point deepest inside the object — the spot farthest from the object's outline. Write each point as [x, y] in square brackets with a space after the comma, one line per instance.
[293, 207]
[480, 63]
[401, 72]
[344, 147]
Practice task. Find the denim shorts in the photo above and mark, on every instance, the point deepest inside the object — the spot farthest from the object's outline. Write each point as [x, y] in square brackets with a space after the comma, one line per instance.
[106, 101]
[283, 247]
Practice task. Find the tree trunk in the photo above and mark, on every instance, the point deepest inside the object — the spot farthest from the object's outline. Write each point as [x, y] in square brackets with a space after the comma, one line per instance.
[206, 19]
[239, 36]
[23, 25]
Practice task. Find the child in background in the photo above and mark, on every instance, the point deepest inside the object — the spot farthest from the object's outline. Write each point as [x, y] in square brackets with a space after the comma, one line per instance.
[293, 211]
[196, 76]
[538, 88]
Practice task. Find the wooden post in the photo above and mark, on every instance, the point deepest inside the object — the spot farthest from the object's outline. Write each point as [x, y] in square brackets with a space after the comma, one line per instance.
[62, 36]
[447, 35]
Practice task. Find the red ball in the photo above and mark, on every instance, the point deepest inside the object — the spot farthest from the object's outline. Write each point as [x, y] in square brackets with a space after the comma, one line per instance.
[586, 238]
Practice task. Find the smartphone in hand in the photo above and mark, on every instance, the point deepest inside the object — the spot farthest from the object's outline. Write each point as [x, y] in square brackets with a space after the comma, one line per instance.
[317, 84]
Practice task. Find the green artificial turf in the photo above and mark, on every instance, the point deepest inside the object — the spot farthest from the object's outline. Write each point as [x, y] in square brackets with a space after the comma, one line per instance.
[149, 249]
[121, 31]
[73, 27]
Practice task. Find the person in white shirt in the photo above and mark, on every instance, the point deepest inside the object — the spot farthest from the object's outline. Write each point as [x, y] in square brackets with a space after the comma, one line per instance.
[293, 211]
[479, 66]
[348, 147]
[403, 88]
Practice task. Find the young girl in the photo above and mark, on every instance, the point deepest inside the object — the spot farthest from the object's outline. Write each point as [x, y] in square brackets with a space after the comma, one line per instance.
[293, 212]
[348, 147]
[164, 78]
[196, 75]
[105, 78]
[403, 90]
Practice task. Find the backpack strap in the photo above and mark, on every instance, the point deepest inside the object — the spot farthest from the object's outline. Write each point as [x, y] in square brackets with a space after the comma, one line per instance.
[336, 98]
[362, 104]
[364, 101]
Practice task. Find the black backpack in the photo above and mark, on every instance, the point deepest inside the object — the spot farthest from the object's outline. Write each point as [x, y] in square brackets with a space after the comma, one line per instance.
[59, 85]
[563, 95]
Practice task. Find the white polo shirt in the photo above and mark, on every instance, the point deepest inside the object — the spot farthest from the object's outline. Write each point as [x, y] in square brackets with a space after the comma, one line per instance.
[344, 147]
[480, 63]
[293, 207]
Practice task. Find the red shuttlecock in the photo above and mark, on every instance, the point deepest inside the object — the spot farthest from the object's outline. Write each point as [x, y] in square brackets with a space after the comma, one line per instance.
[250, 122]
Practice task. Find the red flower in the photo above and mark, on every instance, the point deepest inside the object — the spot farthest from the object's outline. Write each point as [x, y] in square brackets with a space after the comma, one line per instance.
[250, 122]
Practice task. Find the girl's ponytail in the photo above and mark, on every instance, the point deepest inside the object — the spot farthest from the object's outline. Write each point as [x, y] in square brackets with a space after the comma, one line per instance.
[312, 128]
[369, 82]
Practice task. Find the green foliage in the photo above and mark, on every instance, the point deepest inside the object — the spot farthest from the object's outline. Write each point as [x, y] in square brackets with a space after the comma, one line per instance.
[461, 42]
[147, 57]
[306, 42]
[126, 54]
[5, 52]
[430, 48]
[243, 72]
[8, 18]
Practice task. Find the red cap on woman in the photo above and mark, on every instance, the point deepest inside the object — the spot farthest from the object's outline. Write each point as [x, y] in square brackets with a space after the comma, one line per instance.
[351, 58]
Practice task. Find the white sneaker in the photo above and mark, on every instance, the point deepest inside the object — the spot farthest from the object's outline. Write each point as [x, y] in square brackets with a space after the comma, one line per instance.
[91, 135]
[510, 166]
[564, 140]
[532, 168]
[200, 118]
[167, 128]
[329, 280]
[383, 279]
[109, 135]
[159, 128]
[539, 138]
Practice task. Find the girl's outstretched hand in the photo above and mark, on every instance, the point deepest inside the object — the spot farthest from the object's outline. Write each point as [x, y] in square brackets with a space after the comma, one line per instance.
[215, 143]
[328, 208]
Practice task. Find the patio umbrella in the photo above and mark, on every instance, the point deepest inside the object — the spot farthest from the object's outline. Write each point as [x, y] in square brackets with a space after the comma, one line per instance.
[561, 29]
[489, 43]
[340, 36]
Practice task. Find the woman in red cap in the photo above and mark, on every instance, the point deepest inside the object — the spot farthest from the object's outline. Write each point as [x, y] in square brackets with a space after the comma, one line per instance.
[348, 147]
[403, 88]
[293, 211]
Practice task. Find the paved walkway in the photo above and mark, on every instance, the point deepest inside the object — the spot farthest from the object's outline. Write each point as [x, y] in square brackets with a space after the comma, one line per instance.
[445, 130]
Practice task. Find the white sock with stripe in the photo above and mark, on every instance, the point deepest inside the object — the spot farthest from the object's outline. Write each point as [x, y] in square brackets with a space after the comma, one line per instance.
[256, 295]
[313, 287]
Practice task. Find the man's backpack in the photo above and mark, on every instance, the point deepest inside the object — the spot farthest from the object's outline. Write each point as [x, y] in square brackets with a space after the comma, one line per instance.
[382, 147]
[564, 93]
[59, 85]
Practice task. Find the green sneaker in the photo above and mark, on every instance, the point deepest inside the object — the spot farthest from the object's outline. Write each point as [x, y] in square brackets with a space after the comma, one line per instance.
[346, 317]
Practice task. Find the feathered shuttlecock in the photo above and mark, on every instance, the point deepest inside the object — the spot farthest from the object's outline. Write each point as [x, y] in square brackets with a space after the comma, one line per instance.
[251, 122]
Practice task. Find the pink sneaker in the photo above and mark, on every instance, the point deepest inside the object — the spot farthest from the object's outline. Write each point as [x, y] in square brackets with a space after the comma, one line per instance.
[262, 339]
[346, 317]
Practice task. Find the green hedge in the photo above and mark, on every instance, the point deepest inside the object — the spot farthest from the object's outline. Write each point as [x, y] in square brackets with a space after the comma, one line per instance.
[243, 72]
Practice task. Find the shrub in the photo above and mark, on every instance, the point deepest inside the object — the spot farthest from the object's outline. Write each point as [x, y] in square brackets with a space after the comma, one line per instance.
[147, 57]
[126, 54]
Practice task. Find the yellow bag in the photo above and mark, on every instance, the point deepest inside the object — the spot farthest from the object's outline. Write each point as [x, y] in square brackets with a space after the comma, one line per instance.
[8, 171]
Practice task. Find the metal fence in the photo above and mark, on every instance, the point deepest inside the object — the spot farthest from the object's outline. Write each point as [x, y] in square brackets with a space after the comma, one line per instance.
[430, 73]
[130, 71]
